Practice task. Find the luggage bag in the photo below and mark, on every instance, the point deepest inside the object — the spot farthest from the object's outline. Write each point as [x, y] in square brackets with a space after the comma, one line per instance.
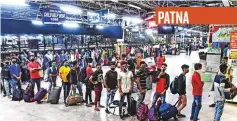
[73, 98]
[168, 111]
[17, 94]
[54, 95]
[40, 95]
[29, 93]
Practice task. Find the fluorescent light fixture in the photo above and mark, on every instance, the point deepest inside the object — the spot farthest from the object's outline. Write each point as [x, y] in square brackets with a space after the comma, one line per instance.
[70, 25]
[14, 2]
[167, 27]
[37, 22]
[135, 30]
[99, 26]
[131, 5]
[92, 13]
[111, 16]
[154, 31]
[71, 9]
[180, 28]
[148, 31]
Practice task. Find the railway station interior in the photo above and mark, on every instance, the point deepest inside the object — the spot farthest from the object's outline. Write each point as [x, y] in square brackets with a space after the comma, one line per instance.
[109, 60]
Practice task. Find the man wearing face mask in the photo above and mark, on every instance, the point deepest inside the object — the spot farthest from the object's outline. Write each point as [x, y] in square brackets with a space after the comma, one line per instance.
[162, 84]
[64, 74]
[52, 78]
[197, 84]
[182, 90]
[110, 83]
[97, 80]
[15, 73]
[34, 69]
[125, 86]
[142, 74]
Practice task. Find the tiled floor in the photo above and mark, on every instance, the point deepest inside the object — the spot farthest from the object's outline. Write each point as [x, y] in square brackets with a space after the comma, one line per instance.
[21, 111]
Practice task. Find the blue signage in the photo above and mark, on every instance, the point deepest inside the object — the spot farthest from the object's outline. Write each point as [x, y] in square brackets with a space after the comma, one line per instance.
[53, 15]
[21, 12]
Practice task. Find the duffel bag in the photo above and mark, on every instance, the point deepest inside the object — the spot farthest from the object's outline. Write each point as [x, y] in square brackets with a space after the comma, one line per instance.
[40, 95]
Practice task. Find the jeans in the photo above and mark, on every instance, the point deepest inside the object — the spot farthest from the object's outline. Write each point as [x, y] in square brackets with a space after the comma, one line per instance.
[88, 94]
[15, 83]
[66, 90]
[122, 101]
[50, 85]
[97, 95]
[219, 110]
[141, 97]
[37, 81]
[156, 96]
[197, 105]
[6, 86]
[110, 95]
[79, 87]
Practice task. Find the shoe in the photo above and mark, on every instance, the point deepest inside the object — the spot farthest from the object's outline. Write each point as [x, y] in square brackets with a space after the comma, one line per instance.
[212, 105]
[4, 95]
[10, 97]
[181, 115]
[194, 120]
[107, 111]
[101, 106]
[122, 117]
[97, 109]
[88, 105]
[92, 103]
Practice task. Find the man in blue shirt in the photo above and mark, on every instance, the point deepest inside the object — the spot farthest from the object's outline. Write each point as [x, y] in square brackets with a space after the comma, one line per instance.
[15, 73]
[52, 76]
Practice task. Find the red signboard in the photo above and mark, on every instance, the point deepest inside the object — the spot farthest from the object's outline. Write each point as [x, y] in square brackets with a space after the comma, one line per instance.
[233, 40]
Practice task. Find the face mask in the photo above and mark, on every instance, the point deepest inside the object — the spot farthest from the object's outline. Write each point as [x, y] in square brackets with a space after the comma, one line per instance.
[54, 65]
[32, 59]
[112, 69]
[14, 62]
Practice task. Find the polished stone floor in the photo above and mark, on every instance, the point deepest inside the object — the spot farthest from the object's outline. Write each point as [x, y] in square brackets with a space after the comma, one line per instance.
[21, 111]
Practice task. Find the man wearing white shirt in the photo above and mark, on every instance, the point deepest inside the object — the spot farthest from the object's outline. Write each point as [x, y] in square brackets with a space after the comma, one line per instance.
[125, 85]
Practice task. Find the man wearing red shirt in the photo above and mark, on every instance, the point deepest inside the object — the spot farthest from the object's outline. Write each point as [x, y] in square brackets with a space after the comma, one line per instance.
[197, 92]
[162, 84]
[34, 69]
[160, 60]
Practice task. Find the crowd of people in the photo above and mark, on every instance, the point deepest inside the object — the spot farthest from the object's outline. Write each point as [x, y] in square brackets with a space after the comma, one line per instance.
[131, 73]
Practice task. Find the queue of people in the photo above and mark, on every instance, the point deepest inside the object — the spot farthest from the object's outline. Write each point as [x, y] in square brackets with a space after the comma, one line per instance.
[72, 77]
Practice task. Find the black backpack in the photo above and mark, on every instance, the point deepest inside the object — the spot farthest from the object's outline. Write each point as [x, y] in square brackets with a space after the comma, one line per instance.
[17, 94]
[29, 93]
[133, 108]
[82, 75]
[174, 86]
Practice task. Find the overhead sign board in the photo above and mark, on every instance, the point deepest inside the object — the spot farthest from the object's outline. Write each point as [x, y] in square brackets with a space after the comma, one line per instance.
[191, 15]
[53, 15]
[20, 12]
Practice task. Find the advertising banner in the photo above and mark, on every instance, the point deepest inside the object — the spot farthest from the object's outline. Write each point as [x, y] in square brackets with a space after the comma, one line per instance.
[93, 17]
[233, 55]
[20, 12]
[233, 40]
[53, 15]
[191, 15]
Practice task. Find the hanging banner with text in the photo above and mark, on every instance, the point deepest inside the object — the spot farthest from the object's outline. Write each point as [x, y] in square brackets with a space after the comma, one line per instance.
[196, 15]
[233, 40]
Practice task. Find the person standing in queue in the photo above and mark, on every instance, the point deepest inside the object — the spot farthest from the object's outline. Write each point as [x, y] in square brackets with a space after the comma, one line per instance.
[160, 60]
[97, 80]
[182, 90]
[15, 73]
[52, 78]
[141, 75]
[64, 74]
[110, 83]
[197, 84]
[34, 69]
[162, 84]
[125, 86]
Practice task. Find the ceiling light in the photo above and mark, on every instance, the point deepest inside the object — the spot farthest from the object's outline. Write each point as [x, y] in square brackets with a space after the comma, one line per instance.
[99, 26]
[14, 2]
[131, 5]
[111, 16]
[71, 9]
[70, 25]
[37, 22]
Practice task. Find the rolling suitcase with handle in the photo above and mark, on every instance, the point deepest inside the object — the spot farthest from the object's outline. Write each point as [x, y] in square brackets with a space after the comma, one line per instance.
[40, 95]
[168, 111]
[54, 95]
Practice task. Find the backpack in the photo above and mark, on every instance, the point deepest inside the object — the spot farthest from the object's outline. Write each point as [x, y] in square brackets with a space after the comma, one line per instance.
[153, 114]
[133, 108]
[82, 75]
[174, 86]
[29, 93]
[142, 112]
[17, 94]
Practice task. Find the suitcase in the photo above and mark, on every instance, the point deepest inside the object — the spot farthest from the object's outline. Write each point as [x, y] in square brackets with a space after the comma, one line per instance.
[17, 94]
[40, 95]
[168, 111]
[54, 95]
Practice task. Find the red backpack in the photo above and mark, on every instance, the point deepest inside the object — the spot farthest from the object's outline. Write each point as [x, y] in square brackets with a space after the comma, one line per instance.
[142, 112]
